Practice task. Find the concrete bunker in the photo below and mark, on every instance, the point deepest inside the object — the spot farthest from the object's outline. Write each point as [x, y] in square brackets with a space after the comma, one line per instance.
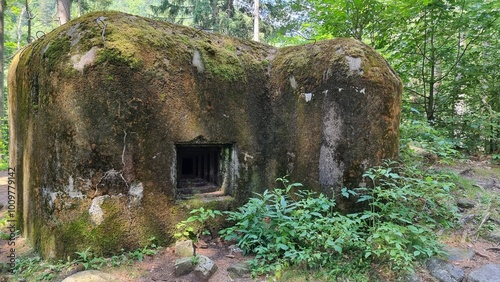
[108, 125]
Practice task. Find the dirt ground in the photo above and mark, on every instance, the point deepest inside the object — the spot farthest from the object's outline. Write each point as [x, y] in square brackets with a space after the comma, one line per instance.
[160, 267]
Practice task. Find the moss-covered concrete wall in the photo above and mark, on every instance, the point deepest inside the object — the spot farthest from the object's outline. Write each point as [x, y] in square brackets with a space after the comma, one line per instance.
[98, 106]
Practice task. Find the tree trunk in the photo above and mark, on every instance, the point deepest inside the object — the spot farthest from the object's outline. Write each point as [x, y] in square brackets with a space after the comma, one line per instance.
[2, 67]
[63, 11]
[80, 8]
[28, 17]
[256, 21]
[430, 109]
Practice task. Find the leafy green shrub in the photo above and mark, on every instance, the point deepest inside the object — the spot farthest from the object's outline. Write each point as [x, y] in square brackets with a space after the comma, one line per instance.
[4, 143]
[88, 259]
[197, 224]
[405, 208]
[304, 229]
[36, 269]
[420, 134]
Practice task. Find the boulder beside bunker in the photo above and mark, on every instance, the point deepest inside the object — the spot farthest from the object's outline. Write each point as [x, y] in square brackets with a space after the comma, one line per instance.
[121, 124]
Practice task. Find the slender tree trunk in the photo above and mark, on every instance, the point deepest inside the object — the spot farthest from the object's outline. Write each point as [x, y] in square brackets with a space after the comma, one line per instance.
[215, 16]
[2, 66]
[28, 17]
[80, 8]
[19, 30]
[432, 82]
[256, 21]
[63, 11]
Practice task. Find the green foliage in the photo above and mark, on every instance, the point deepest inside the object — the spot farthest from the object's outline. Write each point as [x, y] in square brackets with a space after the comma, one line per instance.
[304, 230]
[195, 259]
[4, 143]
[34, 268]
[420, 134]
[197, 224]
[88, 260]
[406, 206]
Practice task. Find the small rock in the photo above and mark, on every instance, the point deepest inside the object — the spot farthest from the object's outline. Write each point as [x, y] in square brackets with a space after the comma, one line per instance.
[409, 278]
[241, 270]
[235, 249]
[493, 236]
[487, 273]
[467, 172]
[465, 203]
[184, 248]
[444, 271]
[230, 256]
[456, 254]
[205, 268]
[184, 266]
[465, 219]
[201, 244]
[91, 276]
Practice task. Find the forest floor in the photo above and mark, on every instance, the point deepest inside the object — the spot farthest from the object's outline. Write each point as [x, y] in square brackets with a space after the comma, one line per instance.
[471, 235]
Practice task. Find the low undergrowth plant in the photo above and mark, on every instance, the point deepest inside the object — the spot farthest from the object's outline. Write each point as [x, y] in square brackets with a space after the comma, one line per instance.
[303, 229]
[197, 224]
[35, 268]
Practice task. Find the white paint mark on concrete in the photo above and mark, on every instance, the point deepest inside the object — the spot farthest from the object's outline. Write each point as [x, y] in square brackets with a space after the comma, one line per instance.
[198, 62]
[354, 64]
[79, 62]
[308, 96]
[49, 196]
[330, 169]
[95, 211]
[135, 193]
[72, 193]
[293, 82]
[247, 157]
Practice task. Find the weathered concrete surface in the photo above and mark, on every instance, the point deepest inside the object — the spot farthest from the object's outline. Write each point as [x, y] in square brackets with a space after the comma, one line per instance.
[99, 106]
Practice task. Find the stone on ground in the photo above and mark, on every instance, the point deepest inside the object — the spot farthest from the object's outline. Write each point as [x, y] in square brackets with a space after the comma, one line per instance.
[184, 248]
[409, 278]
[487, 273]
[184, 266]
[205, 268]
[456, 253]
[91, 276]
[466, 203]
[494, 236]
[240, 269]
[444, 271]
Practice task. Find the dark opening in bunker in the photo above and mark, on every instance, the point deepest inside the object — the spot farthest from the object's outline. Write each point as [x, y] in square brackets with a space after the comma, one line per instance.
[201, 168]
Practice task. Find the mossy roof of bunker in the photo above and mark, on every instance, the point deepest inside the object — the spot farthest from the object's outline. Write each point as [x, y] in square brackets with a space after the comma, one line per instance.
[137, 42]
